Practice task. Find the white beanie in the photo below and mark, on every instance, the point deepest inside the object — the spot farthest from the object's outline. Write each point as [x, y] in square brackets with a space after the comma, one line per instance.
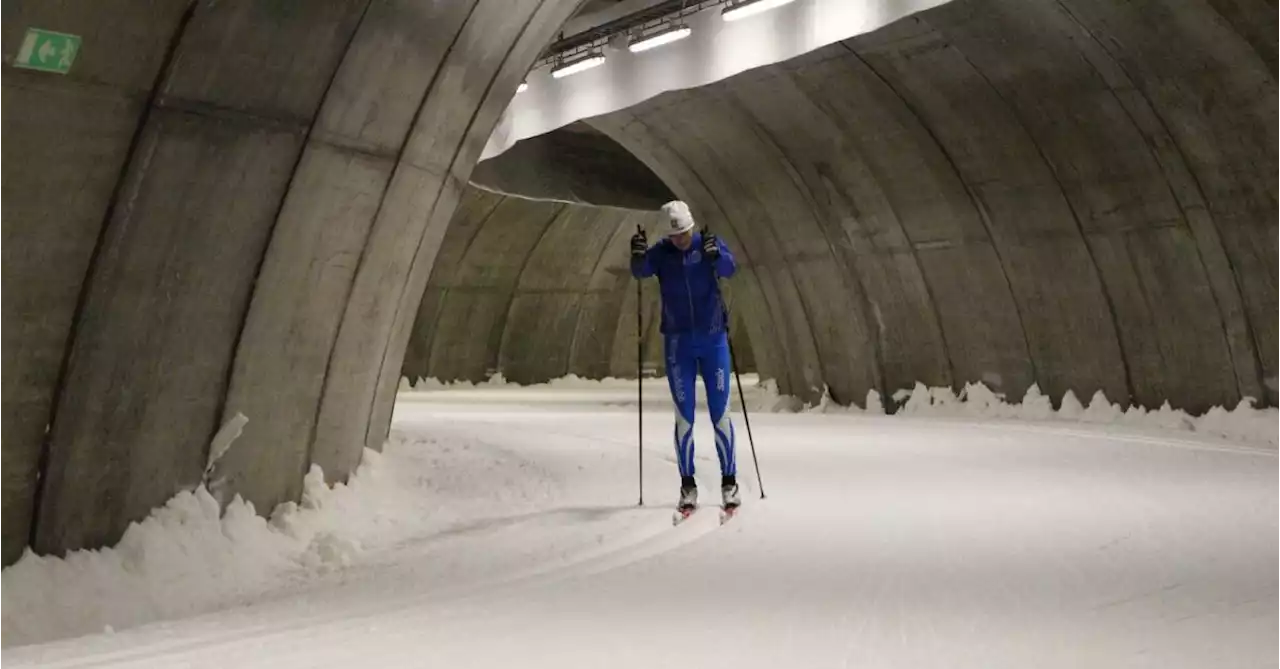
[679, 218]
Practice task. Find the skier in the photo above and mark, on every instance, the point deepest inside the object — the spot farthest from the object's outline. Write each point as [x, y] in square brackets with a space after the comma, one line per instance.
[695, 338]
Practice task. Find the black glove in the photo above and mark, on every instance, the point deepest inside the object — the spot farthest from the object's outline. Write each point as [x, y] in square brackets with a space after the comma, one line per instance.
[710, 246]
[639, 244]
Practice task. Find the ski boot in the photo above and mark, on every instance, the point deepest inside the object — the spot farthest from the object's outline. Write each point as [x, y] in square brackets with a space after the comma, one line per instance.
[730, 501]
[688, 499]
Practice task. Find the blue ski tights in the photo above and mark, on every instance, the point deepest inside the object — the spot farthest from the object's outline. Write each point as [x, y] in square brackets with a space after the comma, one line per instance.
[687, 355]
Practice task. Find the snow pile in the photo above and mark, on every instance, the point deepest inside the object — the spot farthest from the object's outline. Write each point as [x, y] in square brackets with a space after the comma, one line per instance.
[764, 396]
[1244, 423]
[227, 435]
[189, 557]
[498, 381]
[608, 391]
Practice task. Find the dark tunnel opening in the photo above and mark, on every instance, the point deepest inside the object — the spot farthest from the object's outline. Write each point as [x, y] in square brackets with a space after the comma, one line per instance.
[576, 163]
[538, 289]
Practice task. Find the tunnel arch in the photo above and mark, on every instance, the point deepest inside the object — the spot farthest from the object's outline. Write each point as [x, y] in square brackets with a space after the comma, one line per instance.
[252, 258]
[987, 143]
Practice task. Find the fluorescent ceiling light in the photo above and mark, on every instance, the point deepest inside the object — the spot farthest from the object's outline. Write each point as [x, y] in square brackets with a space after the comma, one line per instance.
[666, 36]
[742, 10]
[593, 60]
[524, 86]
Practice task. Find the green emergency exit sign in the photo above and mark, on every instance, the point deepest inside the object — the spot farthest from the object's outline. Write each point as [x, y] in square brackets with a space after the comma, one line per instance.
[47, 51]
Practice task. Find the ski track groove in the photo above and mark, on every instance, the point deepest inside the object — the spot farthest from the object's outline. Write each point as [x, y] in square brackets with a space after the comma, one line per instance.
[319, 626]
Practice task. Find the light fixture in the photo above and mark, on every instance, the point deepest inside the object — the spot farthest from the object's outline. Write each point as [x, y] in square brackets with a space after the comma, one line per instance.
[741, 10]
[524, 86]
[667, 35]
[592, 59]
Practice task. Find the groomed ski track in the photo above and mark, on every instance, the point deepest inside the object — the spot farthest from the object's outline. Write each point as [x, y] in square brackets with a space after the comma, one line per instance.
[884, 542]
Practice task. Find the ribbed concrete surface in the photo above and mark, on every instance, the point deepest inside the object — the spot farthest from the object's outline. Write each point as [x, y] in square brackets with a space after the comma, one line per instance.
[1080, 194]
[533, 289]
[65, 142]
[237, 206]
[231, 209]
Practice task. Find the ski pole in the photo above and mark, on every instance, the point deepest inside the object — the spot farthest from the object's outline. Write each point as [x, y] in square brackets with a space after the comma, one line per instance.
[640, 380]
[733, 362]
[746, 417]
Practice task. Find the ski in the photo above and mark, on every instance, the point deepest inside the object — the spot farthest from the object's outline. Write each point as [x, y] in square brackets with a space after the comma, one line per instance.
[681, 515]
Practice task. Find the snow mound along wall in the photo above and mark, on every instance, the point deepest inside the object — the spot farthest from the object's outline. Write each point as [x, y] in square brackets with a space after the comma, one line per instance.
[1245, 423]
[497, 380]
[191, 556]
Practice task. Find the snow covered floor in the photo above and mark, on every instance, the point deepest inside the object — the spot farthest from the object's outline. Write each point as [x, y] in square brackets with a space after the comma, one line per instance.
[884, 542]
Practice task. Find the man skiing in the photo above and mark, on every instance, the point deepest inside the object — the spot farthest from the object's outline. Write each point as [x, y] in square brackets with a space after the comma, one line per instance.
[695, 338]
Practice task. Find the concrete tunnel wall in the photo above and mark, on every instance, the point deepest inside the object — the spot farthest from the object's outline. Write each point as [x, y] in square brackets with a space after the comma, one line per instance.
[236, 206]
[1080, 194]
[227, 207]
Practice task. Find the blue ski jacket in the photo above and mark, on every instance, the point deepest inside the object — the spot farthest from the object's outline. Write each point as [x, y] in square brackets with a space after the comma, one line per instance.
[691, 301]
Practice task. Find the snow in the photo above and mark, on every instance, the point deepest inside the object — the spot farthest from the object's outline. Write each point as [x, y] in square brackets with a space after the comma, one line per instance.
[185, 558]
[1244, 423]
[500, 527]
[222, 441]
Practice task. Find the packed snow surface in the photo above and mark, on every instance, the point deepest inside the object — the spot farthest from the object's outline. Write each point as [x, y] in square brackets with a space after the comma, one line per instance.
[500, 528]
